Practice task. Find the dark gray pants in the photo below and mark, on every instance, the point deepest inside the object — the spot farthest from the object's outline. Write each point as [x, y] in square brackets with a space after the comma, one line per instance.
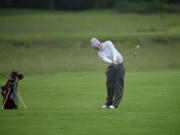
[115, 84]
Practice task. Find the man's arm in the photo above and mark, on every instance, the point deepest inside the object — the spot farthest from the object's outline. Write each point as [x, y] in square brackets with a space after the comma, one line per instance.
[112, 49]
[105, 59]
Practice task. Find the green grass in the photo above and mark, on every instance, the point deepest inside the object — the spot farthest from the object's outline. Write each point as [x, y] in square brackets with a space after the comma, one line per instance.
[64, 83]
[31, 26]
[40, 59]
[38, 41]
[68, 103]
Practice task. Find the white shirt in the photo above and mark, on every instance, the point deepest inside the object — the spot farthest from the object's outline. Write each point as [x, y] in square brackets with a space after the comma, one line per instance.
[109, 53]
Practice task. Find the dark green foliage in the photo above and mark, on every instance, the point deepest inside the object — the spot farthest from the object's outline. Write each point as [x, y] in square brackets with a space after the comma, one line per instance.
[146, 7]
[140, 6]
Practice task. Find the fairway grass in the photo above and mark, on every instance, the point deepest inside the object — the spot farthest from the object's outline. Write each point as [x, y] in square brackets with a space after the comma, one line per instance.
[68, 103]
[64, 84]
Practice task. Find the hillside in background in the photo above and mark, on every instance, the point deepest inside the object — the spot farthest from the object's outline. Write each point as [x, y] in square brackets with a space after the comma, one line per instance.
[35, 41]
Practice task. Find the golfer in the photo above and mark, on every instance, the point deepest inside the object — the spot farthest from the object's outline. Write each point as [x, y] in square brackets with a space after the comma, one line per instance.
[115, 72]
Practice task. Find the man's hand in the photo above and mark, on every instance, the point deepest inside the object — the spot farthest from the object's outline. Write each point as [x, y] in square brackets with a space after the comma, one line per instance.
[114, 63]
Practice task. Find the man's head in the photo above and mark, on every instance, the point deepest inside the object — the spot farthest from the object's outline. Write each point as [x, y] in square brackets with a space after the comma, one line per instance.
[95, 43]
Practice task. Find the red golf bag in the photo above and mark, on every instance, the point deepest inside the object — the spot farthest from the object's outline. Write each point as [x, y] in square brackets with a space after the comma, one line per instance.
[9, 91]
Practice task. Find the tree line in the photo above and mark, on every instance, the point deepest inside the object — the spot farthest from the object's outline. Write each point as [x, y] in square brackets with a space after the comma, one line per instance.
[76, 5]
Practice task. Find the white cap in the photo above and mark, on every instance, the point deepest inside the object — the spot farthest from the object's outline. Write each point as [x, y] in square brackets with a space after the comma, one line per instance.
[95, 42]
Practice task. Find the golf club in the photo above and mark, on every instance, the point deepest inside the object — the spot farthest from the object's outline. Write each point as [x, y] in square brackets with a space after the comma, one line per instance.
[5, 99]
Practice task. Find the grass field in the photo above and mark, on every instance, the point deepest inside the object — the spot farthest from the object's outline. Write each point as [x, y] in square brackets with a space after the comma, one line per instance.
[38, 42]
[32, 26]
[64, 83]
[43, 41]
[68, 104]
[40, 60]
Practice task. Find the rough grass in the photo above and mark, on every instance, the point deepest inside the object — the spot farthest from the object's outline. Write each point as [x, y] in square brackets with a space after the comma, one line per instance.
[40, 60]
[37, 41]
[31, 26]
[68, 103]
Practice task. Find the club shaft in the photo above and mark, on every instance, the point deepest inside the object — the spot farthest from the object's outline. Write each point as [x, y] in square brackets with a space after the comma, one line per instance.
[25, 107]
[5, 99]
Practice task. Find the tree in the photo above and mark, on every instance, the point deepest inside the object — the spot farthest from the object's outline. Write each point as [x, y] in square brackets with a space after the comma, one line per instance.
[51, 4]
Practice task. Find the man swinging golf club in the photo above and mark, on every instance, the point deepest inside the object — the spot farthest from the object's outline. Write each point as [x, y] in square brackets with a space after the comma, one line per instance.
[115, 72]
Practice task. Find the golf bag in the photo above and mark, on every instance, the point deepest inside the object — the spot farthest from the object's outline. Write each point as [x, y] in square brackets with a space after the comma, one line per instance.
[9, 91]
